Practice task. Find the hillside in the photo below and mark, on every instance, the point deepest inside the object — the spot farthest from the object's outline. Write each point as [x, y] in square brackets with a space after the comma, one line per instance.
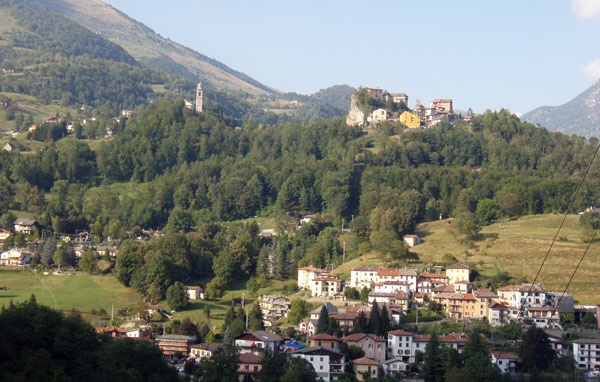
[579, 116]
[515, 246]
[149, 48]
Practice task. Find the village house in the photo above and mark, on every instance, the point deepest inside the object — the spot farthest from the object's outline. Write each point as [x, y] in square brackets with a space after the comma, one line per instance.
[248, 366]
[516, 296]
[457, 272]
[24, 225]
[113, 331]
[325, 341]
[376, 93]
[195, 292]
[325, 285]
[362, 277]
[308, 327]
[203, 350]
[395, 366]
[173, 344]
[542, 317]
[256, 341]
[398, 97]
[331, 310]
[368, 277]
[306, 274]
[15, 257]
[498, 314]
[429, 281]
[411, 240]
[104, 250]
[4, 234]
[274, 307]
[327, 363]
[586, 353]
[405, 345]
[506, 361]
[410, 120]
[378, 115]
[442, 106]
[365, 369]
[8, 147]
[392, 287]
[345, 320]
[373, 346]
[398, 298]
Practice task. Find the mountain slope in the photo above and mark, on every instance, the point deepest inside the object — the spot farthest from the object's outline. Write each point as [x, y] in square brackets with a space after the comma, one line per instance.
[149, 48]
[579, 116]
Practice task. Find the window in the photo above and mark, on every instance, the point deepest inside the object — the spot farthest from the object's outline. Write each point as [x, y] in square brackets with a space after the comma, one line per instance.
[321, 367]
[255, 368]
[311, 359]
[321, 359]
[247, 367]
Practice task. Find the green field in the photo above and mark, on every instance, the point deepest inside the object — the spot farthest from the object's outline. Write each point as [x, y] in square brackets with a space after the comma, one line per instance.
[81, 291]
[517, 247]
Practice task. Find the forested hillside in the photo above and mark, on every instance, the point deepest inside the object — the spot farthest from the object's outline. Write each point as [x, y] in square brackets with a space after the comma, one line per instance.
[52, 58]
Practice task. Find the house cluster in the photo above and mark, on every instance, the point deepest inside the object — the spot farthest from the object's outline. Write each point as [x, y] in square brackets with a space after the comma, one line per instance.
[452, 290]
[273, 308]
[440, 109]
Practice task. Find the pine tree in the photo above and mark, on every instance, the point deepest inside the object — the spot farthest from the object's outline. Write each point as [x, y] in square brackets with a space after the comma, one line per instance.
[361, 323]
[433, 366]
[374, 318]
[323, 323]
[255, 319]
[384, 321]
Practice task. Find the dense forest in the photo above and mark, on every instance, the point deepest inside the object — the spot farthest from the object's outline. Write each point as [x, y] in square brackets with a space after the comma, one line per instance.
[186, 171]
[40, 344]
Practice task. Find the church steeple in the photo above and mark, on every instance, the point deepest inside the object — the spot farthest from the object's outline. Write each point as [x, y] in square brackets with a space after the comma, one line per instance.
[199, 98]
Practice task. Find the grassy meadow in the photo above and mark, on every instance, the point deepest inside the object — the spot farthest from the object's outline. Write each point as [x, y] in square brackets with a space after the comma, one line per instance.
[517, 247]
[65, 292]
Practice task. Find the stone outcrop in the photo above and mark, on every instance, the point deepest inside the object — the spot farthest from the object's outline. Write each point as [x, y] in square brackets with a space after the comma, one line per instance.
[355, 115]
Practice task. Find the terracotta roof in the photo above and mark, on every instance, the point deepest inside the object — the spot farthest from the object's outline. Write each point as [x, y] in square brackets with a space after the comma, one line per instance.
[408, 272]
[535, 288]
[206, 346]
[345, 316]
[387, 272]
[497, 305]
[324, 337]
[458, 266]
[260, 335]
[400, 333]
[364, 361]
[433, 275]
[453, 338]
[586, 341]
[504, 355]
[421, 338]
[468, 297]
[410, 236]
[360, 336]
[110, 329]
[249, 358]
[509, 288]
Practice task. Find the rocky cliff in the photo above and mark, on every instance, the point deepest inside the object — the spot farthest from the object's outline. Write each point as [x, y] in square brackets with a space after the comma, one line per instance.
[355, 115]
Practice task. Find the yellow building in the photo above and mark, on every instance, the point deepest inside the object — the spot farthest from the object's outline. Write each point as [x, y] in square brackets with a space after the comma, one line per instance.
[457, 272]
[411, 120]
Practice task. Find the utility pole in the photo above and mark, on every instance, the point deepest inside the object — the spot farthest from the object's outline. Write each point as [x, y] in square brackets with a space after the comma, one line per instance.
[342, 225]
[344, 251]
[417, 316]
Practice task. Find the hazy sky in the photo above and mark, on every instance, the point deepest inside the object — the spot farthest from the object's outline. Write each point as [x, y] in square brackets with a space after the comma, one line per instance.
[516, 54]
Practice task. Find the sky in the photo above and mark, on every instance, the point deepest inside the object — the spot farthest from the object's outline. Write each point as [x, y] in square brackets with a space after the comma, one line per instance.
[513, 54]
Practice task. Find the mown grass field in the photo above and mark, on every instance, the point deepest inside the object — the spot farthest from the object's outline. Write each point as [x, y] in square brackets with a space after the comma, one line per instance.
[517, 247]
[81, 291]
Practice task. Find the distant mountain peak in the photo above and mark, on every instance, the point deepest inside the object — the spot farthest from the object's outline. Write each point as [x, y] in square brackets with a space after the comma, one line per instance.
[579, 116]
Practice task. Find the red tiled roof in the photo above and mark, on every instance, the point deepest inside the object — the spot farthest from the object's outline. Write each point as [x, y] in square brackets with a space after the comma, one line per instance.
[109, 329]
[387, 272]
[249, 358]
[433, 275]
[586, 341]
[504, 355]
[400, 333]
[509, 288]
[360, 336]
[364, 361]
[324, 337]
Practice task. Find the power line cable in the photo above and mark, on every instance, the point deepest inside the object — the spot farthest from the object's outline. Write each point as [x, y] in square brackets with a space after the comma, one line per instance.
[572, 202]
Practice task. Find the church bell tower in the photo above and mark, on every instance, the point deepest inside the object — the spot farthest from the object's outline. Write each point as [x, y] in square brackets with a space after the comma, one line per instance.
[199, 98]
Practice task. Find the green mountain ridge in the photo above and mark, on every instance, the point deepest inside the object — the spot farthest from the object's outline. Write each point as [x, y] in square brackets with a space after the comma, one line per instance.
[579, 116]
[149, 48]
